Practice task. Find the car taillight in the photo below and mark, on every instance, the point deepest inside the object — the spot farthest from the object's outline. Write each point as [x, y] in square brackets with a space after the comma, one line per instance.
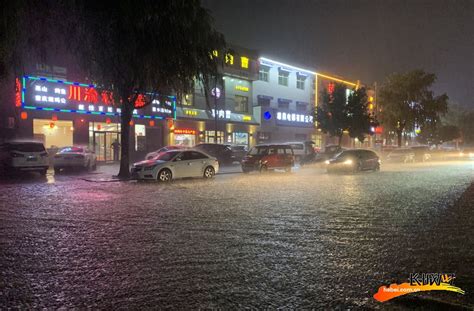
[17, 155]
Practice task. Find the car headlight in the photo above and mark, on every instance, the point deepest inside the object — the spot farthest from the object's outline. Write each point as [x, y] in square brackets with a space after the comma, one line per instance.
[348, 162]
[327, 162]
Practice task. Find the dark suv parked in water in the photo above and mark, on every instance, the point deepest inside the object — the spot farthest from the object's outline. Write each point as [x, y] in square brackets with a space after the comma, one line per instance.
[268, 157]
[223, 153]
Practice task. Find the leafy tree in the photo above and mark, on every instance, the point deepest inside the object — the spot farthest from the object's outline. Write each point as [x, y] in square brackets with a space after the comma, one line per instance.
[331, 113]
[407, 102]
[151, 46]
[360, 120]
[337, 113]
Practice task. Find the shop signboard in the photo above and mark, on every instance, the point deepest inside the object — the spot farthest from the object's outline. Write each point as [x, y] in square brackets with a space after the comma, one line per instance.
[63, 96]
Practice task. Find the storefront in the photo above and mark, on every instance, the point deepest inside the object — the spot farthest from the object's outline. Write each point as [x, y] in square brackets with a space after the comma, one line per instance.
[194, 126]
[61, 113]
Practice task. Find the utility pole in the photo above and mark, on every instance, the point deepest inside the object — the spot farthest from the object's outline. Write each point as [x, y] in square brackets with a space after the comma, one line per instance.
[215, 110]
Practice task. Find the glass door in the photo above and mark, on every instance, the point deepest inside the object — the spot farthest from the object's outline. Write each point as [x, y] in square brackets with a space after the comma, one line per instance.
[106, 146]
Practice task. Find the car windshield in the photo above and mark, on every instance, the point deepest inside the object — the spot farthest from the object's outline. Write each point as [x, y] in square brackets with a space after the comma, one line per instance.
[167, 156]
[258, 150]
[71, 149]
[27, 147]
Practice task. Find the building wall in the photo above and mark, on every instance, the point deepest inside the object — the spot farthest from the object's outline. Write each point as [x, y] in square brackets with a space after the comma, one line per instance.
[270, 99]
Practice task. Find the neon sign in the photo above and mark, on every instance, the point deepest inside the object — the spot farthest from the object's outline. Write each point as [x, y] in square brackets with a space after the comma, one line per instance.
[17, 93]
[242, 88]
[294, 117]
[38, 93]
[185, 131]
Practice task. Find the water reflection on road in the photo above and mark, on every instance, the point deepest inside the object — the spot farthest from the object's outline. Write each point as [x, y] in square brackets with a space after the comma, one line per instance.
[299, 240]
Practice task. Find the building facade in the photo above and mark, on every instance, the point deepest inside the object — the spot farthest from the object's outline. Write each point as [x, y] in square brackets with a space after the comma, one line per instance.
[283, 102]
[227, 114]
[63, 113]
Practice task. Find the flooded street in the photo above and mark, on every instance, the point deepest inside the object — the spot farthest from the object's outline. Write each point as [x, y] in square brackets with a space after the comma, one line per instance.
[300, 240]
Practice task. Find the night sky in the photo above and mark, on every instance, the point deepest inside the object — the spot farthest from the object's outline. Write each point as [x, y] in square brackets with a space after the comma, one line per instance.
[364, 40]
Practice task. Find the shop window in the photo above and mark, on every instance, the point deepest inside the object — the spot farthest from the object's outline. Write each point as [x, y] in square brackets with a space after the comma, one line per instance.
[187, 140]
[104, 139]
[283, 77]
[240, 138]
[53, 134]
[210, 137]
[264, 73]
[241, 103]
[300, 81]
[140, 138]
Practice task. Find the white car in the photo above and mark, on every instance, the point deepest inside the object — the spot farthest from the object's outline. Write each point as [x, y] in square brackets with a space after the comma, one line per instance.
[176, 164]
[23, 156]
[74, 157]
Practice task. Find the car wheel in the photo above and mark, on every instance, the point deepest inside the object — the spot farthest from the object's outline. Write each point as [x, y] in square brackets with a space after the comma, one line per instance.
[165, 175]
[209, 172]
[57, 171]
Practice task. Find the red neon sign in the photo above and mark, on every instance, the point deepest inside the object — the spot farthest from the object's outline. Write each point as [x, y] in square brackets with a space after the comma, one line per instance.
[185, 131]
[331, 87]
[140, 101]
[75, 92]
[17, 93]
[91, 95]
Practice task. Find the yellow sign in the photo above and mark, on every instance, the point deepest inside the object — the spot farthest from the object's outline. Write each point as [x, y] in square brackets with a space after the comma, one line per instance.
[244, 62]
[191, 113]
[229, 59]
[247, 118]
[242, 88]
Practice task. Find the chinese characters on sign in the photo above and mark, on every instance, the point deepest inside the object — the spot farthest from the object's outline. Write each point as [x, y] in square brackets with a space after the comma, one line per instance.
[43, 93]
[294, 117]
[221, 114]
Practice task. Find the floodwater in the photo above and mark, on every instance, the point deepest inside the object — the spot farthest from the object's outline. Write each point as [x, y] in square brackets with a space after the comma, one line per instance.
[300, 240]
